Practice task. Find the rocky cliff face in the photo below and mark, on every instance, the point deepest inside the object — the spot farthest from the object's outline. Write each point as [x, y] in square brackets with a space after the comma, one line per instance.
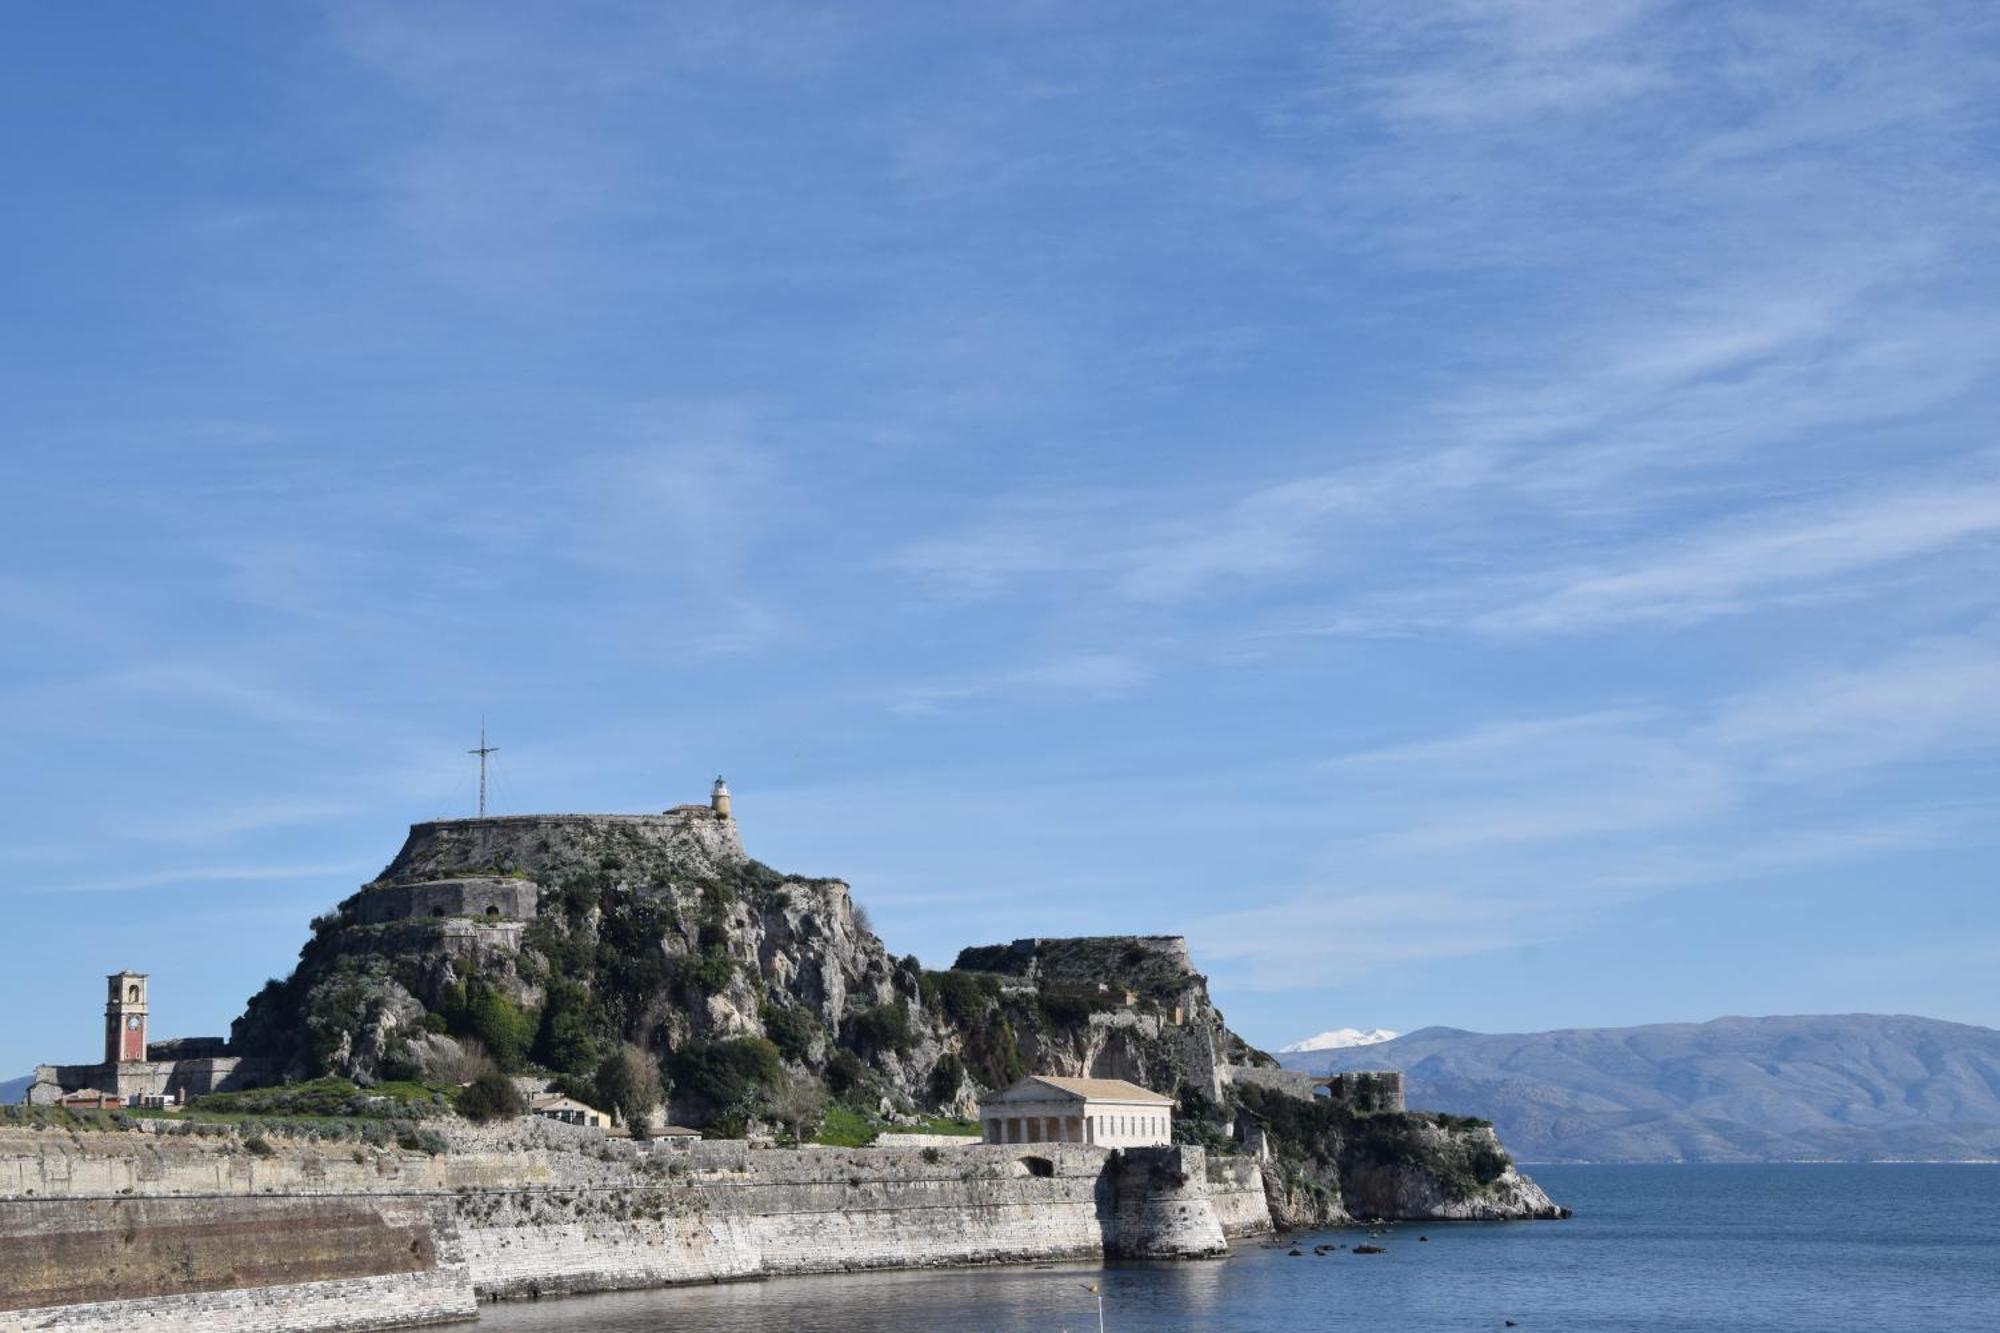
[548, 941]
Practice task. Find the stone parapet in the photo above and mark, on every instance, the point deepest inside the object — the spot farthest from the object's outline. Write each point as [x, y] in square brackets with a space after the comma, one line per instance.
[892, 1140]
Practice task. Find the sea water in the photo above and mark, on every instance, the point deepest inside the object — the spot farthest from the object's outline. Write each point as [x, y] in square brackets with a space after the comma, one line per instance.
[1802, 1249]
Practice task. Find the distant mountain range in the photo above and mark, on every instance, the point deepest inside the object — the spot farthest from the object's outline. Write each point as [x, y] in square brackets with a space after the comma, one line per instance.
[1844, 1087]
[14, 1089]
[1338, 1040]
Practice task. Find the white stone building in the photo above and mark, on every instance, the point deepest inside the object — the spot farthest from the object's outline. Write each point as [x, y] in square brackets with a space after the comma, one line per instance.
[1108, 1112]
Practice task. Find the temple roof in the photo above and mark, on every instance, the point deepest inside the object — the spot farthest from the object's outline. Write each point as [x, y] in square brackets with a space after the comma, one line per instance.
[1037, 1087]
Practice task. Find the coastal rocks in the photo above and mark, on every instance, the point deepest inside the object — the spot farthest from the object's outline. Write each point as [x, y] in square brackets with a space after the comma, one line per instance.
[1436, 1168]
[1330, 1166]
[1407, 1192]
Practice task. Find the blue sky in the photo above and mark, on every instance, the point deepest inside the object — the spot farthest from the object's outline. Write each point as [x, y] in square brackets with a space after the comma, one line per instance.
[1479, 514]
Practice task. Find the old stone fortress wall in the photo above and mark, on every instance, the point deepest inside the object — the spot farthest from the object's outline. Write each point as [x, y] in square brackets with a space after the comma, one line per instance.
[117, 1231]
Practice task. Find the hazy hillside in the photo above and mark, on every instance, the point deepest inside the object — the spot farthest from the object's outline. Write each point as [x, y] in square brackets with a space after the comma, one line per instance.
[1839, 1086]
[14, 1089]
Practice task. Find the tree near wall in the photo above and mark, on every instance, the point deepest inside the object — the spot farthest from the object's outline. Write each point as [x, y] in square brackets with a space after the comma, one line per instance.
[628, 1085]
[797, 1102]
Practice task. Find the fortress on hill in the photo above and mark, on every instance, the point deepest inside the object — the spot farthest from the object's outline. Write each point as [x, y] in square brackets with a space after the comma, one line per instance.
[428, 880]
[1119, 1114]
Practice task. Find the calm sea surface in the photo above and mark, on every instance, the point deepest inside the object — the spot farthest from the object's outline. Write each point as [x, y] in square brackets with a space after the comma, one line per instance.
[1806, 1248]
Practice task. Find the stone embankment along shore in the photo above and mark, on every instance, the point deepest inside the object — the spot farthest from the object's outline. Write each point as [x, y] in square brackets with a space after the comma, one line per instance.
[113, 1231]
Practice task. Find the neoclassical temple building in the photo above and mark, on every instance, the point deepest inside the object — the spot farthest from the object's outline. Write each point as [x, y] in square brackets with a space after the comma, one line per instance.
[1109, 1112]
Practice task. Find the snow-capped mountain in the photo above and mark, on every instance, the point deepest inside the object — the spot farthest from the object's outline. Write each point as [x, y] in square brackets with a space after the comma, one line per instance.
[1338, 1040]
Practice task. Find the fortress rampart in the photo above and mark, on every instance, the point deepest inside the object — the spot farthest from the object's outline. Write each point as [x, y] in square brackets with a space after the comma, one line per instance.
[694, 836]
[180, 1079]
[481, 896]
[103, 1231]
[1365, 1092]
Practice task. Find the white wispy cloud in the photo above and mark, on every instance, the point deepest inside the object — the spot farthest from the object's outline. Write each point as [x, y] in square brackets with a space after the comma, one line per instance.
[215, 874]
[1513, 832]
[1086, 678]
[194, 823]
[1742, 564]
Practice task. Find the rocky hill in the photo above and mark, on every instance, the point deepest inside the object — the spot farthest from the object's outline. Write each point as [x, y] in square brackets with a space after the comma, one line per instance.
[1843, 1087]
[547, 942]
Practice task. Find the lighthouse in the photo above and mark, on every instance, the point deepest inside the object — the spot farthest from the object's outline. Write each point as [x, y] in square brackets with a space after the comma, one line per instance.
[718, 798]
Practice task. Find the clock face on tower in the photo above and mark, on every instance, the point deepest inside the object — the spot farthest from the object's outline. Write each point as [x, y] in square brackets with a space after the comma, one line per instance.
[132, 1023]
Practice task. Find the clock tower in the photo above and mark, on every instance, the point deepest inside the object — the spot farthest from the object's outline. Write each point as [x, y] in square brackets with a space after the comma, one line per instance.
[125, 1019]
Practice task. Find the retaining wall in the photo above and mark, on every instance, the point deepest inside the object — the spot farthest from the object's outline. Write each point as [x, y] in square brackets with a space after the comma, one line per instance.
[538, 1208]
[332, 1264]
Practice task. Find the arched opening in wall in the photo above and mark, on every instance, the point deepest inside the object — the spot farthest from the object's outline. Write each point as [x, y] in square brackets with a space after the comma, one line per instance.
[132, 994]
[437, 911]
[1039, 1166]
[493, 911]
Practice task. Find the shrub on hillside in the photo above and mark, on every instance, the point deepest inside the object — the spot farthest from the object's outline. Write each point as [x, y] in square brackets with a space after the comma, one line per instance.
[502, 1027]
[964, 997]
[491, 1096]
[706, 972]
[946, 1077]
[884, 1027]
[727, 1076]
[569, 1038]
[792, 1028]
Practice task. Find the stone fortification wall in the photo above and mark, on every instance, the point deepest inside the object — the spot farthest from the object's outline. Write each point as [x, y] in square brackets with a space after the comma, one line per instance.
[1163, 1209]
[1366, 1092]
[252, 1265]
[894, 1140]
[693, 835]
[541, 1208]
[813, 1211]
[1236, 1193]
[182, 1078]
[1157, 962]
[1293, 1081]
[479, 896]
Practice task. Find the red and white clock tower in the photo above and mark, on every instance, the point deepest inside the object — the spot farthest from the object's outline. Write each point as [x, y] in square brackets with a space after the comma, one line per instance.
[125, 1019]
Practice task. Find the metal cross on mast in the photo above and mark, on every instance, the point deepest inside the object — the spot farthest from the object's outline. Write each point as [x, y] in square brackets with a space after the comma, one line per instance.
[483, 750]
